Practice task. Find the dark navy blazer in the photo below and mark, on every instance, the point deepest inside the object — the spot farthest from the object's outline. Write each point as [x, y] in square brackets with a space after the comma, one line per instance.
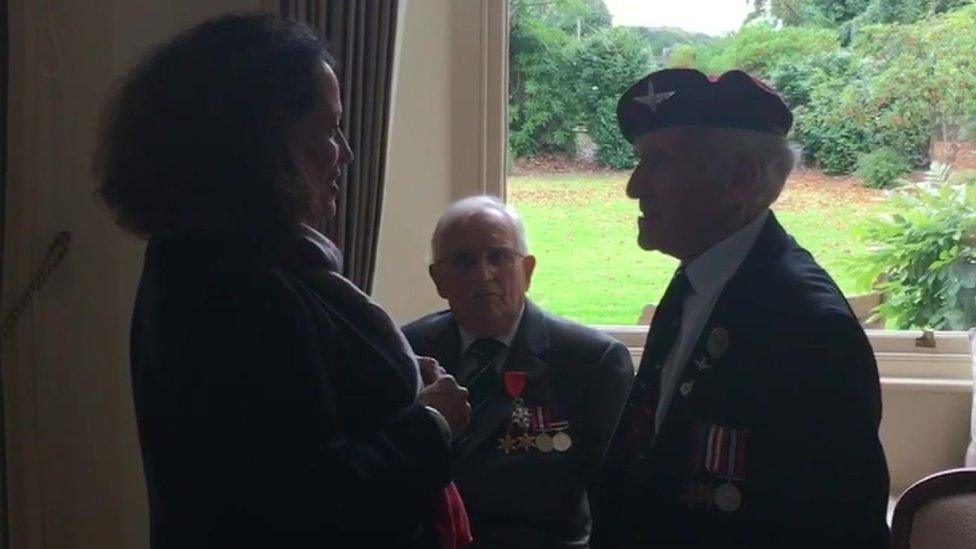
[784, 369]
[527, 498]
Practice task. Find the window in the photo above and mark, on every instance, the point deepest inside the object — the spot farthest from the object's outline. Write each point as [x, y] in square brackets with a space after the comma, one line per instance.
[884, 97]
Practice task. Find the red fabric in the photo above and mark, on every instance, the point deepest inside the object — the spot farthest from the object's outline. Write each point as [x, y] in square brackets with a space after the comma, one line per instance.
[452, 520]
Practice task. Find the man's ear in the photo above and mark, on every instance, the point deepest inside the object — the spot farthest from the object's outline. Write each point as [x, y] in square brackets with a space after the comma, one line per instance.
[435, 275]
[528, 265]
[746, 171]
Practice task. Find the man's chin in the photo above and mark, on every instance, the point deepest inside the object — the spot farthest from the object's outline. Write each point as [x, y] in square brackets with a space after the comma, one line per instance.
[647, 242]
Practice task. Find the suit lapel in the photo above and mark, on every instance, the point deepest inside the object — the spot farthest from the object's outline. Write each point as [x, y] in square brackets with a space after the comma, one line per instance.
[443, 342]
[718, 333]
[529, 347]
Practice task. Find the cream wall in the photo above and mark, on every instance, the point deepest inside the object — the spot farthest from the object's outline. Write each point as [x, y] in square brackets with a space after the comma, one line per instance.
[447, 136]
[74, 468]
[923, 431]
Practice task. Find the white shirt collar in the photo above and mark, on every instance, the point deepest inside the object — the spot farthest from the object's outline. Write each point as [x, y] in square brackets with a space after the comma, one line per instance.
[467, 338]
[709, 272]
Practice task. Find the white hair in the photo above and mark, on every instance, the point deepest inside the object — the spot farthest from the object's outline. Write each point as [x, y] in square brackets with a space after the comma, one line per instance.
[463, 209]
[776, 156]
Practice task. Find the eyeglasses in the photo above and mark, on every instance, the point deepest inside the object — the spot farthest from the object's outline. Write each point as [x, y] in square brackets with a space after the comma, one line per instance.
[467, 260]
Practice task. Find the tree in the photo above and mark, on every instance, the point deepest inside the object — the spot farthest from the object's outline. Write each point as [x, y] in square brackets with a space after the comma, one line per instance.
[608, 62]
[837, 13]
[544, 36]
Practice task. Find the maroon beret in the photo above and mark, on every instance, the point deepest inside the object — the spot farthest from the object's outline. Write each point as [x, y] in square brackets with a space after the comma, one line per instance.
[686, 97]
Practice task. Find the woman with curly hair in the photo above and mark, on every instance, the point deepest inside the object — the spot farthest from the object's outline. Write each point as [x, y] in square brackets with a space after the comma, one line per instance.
[277, 405]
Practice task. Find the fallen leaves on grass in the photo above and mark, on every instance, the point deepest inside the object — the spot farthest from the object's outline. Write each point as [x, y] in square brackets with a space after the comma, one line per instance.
[804, 190]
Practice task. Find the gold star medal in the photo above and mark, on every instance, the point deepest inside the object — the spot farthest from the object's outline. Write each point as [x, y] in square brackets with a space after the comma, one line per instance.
[506, 444]
[526, 441]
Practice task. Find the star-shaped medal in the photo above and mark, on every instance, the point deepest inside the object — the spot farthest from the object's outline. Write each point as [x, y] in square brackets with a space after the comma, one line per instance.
[702, 364]
[651, 99]
[526, 441]
[521, 416]
[506, 444]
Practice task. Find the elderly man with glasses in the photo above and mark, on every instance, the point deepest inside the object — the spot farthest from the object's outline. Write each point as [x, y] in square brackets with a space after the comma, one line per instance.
[545, 393]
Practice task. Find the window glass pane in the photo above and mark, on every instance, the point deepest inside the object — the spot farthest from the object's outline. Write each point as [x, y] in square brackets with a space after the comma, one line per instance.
[884, 98]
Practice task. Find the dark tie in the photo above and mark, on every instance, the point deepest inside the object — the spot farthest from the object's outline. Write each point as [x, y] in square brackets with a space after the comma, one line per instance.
[666, 323]
[481, 379]
[636, 427]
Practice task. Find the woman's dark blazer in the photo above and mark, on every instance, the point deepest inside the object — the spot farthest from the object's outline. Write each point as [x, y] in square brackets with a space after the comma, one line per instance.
[267, 416]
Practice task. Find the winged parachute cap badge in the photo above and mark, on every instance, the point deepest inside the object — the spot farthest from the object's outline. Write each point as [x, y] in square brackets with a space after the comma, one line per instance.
[651, 99]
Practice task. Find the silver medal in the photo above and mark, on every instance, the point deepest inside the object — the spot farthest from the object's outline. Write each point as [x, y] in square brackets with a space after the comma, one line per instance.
[727, 497]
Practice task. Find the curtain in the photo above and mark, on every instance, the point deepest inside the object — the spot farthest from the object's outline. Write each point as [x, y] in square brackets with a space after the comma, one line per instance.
[361, 36]
[4, 56]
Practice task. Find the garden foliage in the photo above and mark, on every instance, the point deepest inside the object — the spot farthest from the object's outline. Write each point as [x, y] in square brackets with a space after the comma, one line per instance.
[924, 255]
[860, 75]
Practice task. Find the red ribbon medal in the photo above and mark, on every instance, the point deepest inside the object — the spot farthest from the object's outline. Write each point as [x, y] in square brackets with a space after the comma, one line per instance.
[515, 383]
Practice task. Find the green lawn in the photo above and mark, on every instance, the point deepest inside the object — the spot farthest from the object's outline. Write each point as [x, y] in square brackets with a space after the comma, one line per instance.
[582, 229]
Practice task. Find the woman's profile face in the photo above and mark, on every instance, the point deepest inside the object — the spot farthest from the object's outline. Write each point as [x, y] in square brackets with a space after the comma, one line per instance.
[321, 147]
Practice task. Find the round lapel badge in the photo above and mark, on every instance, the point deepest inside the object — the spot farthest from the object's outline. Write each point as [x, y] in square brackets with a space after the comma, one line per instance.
[543, 443]
[561, 442]
[727, 497]
[718, 342]
[686, 387]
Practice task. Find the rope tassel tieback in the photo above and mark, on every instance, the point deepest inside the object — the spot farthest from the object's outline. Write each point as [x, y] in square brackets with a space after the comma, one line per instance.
[56, 250]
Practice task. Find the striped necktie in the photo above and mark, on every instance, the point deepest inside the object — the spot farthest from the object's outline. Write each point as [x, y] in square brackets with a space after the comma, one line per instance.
[481, 379]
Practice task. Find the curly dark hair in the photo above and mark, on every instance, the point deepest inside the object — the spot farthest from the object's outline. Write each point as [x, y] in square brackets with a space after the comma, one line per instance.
[194, 138]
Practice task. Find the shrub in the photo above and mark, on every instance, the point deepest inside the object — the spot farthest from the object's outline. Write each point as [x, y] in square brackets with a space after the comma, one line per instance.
[756, 48]
[925, 251]
[963, 177]
[882, 168]
[608, 62]
[542, 111]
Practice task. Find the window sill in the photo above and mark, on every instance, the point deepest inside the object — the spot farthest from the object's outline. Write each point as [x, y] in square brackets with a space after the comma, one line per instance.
[903, 366]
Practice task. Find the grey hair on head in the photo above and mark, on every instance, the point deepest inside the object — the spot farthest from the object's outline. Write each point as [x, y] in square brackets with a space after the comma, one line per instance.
[466, 207]
[777, 157]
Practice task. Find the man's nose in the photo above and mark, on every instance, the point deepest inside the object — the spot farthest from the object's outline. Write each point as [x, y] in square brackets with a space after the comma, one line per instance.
[483, 270]
[634, 186]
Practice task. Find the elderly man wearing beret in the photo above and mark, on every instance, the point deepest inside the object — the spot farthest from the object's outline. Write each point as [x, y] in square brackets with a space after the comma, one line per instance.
[753, 421]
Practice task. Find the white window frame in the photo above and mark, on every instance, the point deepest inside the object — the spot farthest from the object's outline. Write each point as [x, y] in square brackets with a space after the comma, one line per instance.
[903, 364]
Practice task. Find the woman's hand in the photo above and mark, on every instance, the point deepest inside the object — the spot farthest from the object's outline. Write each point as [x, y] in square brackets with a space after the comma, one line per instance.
[450, 399]
[430, 369]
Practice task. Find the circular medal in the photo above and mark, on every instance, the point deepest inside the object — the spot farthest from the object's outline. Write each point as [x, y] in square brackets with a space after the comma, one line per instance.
[686, 387]
[727, 497]
[561, 442]
[718, 342]
[543, 443]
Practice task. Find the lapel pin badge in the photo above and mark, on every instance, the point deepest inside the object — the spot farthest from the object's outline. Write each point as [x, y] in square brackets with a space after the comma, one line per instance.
[718, 342]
